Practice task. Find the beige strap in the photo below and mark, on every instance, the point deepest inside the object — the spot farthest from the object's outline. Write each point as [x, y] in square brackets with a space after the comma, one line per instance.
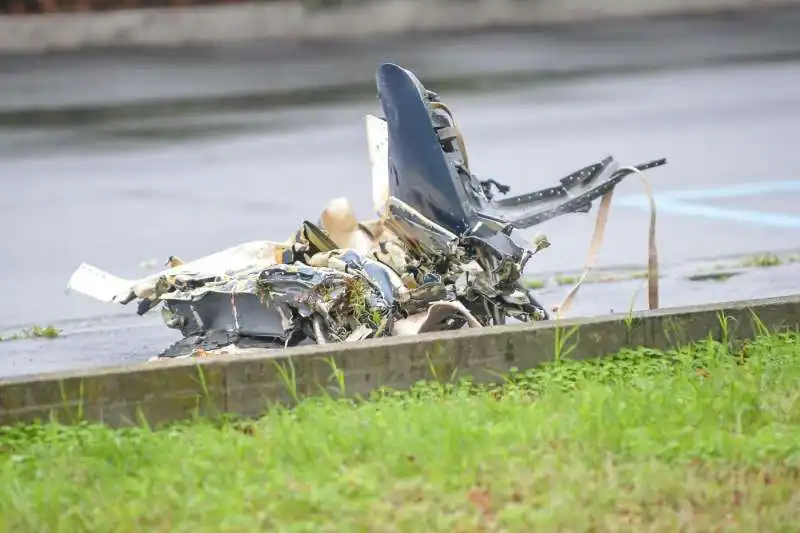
[455, 129]
[597, 240]
[652, 255]
[594, 247]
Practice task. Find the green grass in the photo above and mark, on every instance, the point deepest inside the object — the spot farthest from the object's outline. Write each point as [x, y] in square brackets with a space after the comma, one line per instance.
[700, 439]
[565, 279]
[534, 284]
[36, 332]
[765, 260]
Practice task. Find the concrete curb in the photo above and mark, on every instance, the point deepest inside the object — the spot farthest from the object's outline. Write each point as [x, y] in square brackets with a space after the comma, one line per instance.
[291, 20]
[247, 385]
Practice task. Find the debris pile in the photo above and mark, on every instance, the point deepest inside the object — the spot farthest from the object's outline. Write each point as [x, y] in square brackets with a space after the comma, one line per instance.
[443, 252]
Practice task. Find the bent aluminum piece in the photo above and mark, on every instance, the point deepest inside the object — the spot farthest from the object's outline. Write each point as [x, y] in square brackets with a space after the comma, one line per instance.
[427, 165]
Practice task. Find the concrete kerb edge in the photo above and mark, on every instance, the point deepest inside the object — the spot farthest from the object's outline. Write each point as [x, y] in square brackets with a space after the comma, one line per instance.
[170, 391]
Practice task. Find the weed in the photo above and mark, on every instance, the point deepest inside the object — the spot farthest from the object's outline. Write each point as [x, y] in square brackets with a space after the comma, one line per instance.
[534, 284]
[765, 260]
[337, 375]
[561, 349]
[288, 378]
[567, 280]
[356, 295]
[47, 332]
[264, 291]
[36, 332]
[601, 278]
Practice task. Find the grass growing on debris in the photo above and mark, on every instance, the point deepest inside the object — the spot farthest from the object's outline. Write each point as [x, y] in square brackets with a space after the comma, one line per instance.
[699, 439]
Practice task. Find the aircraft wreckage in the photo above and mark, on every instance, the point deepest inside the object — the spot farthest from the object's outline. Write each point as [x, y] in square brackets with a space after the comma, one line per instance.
[443, 252]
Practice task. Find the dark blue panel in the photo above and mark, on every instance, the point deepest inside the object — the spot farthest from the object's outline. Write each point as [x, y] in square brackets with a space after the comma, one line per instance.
[419, 173]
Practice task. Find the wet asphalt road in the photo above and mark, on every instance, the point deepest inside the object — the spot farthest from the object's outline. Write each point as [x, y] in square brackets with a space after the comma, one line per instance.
[122, 157]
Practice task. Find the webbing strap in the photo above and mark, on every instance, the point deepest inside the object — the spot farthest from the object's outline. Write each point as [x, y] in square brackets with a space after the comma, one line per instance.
[597, 241]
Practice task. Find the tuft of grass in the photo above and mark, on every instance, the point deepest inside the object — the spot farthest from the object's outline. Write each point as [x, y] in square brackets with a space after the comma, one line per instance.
[567, 280]
[46, 332]
[534, 284]
[701, 438]
[36, 332]
[610, 278]
[356, 302]
[265, 291]
[600, 278]
[765, 260]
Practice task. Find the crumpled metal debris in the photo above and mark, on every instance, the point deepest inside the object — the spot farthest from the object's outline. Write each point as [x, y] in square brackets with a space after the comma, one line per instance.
[443, 253]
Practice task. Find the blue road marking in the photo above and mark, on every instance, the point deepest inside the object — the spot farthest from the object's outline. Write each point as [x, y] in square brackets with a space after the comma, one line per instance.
[677, 207]
[683, 202]
[744, 189]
